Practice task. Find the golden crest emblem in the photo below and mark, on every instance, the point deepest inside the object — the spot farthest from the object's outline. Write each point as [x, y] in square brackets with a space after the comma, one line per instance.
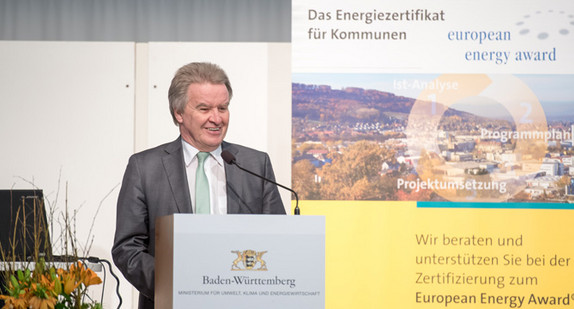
[249, 260]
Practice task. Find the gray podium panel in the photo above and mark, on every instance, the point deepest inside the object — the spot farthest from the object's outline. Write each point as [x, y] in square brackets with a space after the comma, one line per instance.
[240, 261]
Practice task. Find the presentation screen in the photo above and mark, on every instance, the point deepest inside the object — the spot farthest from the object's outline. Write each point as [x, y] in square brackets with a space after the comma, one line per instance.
[440, 135]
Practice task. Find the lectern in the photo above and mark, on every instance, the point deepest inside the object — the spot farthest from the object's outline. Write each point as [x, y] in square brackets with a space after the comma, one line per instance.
[240, 261]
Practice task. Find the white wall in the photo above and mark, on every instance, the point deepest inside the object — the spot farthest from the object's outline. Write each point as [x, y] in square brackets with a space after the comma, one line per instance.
[82, 108]
[68, 107]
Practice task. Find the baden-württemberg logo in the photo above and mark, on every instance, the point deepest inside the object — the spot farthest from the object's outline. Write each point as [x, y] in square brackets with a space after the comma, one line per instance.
[249, 260]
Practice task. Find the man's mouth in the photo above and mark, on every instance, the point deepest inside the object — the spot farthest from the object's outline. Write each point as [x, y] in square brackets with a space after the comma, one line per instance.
[213, 129]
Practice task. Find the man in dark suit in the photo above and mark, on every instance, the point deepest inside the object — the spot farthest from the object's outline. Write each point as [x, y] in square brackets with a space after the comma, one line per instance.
[171, 178]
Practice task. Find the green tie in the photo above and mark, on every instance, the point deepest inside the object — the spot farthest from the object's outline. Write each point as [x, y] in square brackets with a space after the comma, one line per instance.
[201, 186]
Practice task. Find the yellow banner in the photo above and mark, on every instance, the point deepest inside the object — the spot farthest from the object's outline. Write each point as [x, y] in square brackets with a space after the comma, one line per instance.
[398, 255]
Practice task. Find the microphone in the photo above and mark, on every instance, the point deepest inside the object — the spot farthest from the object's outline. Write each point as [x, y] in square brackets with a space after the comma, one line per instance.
[229, 158]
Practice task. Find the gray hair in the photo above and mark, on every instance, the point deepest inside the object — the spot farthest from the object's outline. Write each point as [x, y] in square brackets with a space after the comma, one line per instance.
[194, 73]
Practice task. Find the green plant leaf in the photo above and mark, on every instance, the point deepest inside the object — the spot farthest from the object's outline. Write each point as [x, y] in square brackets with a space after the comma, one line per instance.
[15, 283]
[20, 274]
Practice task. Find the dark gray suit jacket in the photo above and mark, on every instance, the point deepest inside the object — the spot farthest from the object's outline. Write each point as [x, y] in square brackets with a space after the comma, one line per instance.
[155, 185]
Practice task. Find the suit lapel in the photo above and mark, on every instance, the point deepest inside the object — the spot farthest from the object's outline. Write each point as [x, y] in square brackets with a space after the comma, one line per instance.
[175, 171]
[234, 179]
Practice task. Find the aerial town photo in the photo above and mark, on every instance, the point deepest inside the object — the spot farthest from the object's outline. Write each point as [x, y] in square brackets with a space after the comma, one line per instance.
[471, 138]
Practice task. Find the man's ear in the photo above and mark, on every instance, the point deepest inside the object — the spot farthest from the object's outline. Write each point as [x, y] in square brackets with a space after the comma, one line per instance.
[178, 116]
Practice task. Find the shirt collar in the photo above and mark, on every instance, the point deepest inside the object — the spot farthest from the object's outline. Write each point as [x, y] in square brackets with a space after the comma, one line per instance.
[189, 153]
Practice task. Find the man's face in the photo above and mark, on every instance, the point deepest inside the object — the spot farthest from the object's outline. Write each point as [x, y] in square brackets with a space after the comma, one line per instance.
[204, 120]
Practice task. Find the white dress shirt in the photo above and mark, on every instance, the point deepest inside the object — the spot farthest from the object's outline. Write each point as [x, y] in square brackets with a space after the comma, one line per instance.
[215, 171]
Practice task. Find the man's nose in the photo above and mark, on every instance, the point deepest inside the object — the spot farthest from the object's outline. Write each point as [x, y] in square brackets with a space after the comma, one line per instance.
[215, 116]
